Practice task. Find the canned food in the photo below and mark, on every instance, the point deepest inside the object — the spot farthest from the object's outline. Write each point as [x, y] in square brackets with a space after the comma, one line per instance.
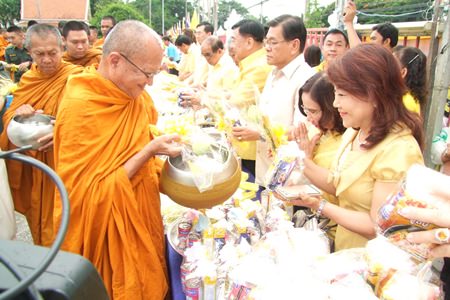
[192, 289]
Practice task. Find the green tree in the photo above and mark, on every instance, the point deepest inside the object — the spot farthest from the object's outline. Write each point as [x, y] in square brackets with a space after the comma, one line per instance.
[96, 5]
[409, 11]
[317, 16]
[9, 12]
[174, 11]
[119, 11]
[225, 8]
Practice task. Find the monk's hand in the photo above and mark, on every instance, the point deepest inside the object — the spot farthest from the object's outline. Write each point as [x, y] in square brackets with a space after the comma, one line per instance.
[25, 110]
[165, 145]
[46, 141]
[303, 141]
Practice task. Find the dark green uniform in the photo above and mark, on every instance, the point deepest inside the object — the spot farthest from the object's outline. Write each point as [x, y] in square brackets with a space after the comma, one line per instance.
[14, 55]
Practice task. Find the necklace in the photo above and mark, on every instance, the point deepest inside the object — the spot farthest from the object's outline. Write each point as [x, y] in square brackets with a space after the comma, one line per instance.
[358, 139]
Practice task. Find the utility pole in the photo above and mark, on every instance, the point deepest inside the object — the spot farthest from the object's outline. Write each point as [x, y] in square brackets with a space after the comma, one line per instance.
[340, 4]
[215, 16]
[163, 32]
[150, 12]
[439, 80]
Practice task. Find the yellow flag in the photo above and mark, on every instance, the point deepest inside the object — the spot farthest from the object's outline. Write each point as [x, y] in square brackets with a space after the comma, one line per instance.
[194, 20]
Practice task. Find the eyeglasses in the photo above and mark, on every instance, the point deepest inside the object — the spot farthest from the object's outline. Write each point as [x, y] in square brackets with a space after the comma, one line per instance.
[273, 43]
[311, 112]
[147, 74]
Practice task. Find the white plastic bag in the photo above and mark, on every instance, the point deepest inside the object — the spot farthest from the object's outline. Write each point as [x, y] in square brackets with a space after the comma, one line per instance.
[7, 220]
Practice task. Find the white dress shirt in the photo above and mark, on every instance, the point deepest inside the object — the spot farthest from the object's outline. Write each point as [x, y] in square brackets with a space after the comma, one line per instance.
[279, 101]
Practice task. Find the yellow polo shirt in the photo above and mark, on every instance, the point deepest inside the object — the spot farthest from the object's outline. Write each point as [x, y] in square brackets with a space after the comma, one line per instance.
[253, 71]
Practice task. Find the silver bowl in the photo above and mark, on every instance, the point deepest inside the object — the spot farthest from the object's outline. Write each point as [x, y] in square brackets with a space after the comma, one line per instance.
[178, 183]
[23, 131]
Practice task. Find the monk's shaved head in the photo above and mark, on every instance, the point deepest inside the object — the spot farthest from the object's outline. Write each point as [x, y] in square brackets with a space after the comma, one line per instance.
[42, 31]
[129, 37]
[132, 55]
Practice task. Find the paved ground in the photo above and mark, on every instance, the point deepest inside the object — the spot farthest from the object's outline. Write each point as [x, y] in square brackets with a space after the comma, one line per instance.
[23, 231]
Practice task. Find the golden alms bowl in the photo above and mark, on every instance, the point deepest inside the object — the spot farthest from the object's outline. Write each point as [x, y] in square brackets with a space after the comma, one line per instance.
[23, 131]
[177, 182]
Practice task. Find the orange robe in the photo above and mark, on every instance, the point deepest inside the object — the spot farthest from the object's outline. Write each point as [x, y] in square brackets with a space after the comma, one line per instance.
[92, 56]
[99, 43]
[3, 44]
[32, 191]
[115, 222]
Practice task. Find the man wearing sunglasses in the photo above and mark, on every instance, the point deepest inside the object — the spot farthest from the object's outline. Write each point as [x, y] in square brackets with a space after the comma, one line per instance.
[106, 157]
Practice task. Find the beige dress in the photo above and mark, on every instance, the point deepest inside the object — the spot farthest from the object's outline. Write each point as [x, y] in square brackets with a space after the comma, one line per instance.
[354, 174]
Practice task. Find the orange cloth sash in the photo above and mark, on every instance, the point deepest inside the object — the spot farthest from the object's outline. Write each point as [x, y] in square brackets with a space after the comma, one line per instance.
[92, 56]
[99, 43]
[115, 221]
[3, 44]
[32, 191]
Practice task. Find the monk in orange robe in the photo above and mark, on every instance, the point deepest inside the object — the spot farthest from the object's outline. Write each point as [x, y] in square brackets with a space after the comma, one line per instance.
[78, 50]
[41, 88]
[106, 24]
[3, 43]
[105, 155]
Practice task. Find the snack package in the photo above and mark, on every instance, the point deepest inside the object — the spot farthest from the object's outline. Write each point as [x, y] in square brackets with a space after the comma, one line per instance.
[288, 160]
[413, 192]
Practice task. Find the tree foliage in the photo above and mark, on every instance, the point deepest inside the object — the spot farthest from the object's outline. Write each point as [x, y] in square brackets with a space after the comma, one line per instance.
[119, 11]
[174, 11]
[422, 11]
[225, 8]
[317, 17]
[9, 12]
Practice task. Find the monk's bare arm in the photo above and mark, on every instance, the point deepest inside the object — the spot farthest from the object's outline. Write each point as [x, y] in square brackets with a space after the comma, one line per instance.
[162, 145]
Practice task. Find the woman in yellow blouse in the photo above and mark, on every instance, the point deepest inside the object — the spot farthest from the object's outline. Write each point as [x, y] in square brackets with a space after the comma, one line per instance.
[413, 64]
[316, 103]
[382, 141]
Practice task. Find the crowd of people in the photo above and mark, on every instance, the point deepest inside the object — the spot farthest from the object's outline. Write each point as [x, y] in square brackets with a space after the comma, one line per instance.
[365, 100]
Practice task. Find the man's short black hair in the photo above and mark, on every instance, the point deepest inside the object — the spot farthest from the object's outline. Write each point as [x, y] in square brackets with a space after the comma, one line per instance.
[292, 28]
[336, 31]
[183, 39]
[167, 38]
[250, 28]
[113, 20]
[387, 31]
[207, 27]
[31, 23]
[14, 28]
[75, 26]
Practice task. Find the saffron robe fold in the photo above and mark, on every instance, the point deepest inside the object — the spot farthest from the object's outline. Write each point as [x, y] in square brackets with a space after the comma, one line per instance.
[115, 221]
[93, 56]
[32, 191]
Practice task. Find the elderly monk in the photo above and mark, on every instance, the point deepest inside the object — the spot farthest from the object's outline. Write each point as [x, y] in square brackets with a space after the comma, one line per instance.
[41, 88]
[105, 155]
[78, 50]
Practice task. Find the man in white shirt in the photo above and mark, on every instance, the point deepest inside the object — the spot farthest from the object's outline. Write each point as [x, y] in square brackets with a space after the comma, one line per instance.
[285, 42]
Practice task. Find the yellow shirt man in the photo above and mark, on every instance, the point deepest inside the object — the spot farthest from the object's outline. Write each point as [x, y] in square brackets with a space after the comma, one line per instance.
[253, 71]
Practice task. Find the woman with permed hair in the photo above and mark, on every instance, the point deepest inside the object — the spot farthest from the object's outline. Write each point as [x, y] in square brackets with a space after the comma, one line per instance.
[383, 139]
